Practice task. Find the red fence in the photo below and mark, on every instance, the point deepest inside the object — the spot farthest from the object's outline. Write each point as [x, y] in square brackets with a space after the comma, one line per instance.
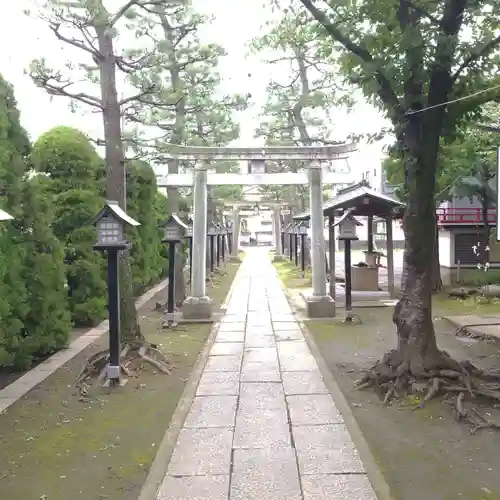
[464, 216]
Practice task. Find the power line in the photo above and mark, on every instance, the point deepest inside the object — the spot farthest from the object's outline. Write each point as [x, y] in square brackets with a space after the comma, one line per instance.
[470, 96]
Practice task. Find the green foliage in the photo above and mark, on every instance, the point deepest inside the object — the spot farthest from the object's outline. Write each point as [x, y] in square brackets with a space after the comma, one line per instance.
[73, 183]
[34, 320]
[194, 112]
[466, 165]
[144, 205]
[300, 100]
[67, 156]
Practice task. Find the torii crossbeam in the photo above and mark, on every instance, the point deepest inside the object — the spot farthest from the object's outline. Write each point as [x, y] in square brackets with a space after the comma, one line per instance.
[270, 153]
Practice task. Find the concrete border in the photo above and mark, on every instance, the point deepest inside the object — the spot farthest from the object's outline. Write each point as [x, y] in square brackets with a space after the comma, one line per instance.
[377, 479]
[20, 387]
[161, 462]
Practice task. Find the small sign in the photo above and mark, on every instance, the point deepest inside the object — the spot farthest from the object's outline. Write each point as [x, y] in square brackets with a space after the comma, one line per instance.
[286, 212]
[257, 167]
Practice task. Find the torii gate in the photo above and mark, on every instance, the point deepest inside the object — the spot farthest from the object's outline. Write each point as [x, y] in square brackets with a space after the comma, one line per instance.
[198, 305]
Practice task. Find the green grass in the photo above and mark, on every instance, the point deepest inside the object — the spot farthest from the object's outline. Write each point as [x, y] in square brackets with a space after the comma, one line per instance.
[291, 276]
[478, 277]
[55, 447]
[443, 304]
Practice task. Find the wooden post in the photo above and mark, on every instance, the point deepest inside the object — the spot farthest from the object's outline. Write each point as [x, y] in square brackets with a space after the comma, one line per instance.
[390, 256]
[370, 234]
[331, 251]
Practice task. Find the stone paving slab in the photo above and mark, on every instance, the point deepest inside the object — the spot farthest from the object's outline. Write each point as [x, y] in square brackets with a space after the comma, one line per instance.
[313, 409]
[256, 374]
[223, 364]
[261, 396]
[260, 354]
[303, 383]
[212, 411]
[283, 318]
[262, 425]
[202, 451]
[283, 336]
[219, 384]
[230, 336]
[265, 475]
[298, 363]
[232, 327]
[265, 429]
[227, 349]
[260, 341]
[194, 488]
[326, 449]
[234, 318]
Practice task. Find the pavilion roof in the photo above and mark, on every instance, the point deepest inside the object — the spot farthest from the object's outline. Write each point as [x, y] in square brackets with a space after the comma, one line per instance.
[361, 200]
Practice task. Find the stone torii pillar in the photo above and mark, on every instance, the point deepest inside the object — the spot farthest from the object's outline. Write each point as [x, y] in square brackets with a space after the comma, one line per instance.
[277, 233]
[319, 304]
[198, 305]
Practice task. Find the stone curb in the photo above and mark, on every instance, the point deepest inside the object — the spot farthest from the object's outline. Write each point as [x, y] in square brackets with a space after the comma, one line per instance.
[20, 387]
[160, 464]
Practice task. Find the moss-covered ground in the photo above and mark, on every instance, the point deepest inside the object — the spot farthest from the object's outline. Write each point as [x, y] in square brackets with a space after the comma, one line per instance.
[55, 447]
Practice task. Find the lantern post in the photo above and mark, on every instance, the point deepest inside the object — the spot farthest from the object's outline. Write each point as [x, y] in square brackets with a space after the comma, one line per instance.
[174, 231]
[296, 244]
[110, 223]
[230, 238]
[347, 232]
[218, 244]
[223, 242]
[303, 234]
[212, 233]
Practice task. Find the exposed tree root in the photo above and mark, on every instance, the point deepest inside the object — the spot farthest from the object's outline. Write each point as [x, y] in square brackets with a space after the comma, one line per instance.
[392, 379]
[132, 355]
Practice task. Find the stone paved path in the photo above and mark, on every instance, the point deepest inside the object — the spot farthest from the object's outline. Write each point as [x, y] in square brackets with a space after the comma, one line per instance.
[262, 425]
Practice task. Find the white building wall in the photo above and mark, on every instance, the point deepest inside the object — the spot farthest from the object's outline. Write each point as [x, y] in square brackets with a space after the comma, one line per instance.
[446, 249]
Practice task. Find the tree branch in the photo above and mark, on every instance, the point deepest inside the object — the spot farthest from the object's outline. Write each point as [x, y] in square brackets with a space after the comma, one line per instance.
[424, 12]
[440, 82]
[385, 92]
[475, 55]
[61, 90]
[54, 26]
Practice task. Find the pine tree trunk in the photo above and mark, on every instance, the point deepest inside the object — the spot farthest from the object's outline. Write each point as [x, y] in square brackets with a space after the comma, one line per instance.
[116, 176]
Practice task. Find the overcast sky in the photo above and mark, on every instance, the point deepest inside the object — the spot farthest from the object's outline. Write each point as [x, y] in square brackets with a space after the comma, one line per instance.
[23, 39]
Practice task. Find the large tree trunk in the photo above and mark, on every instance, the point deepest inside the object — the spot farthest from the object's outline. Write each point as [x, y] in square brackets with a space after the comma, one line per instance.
[175, 138]
[116, 175]
[417, 349]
